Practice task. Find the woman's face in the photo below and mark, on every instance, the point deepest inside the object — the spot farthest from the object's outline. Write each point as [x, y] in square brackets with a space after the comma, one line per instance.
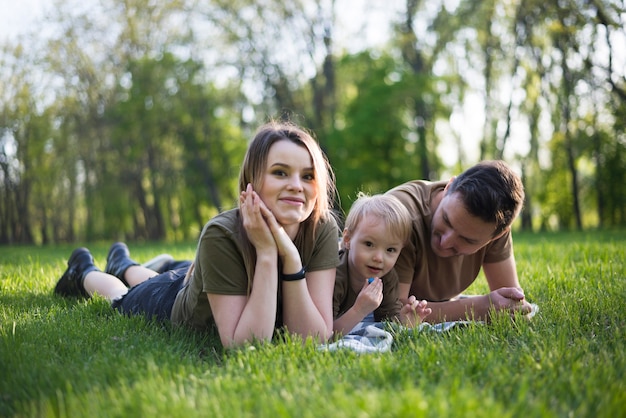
[289, 187]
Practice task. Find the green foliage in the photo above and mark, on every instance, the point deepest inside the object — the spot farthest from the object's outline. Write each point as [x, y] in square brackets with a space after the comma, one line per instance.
[611, 172]
[166, 128]
[68, 358]
[128, 119]
[375, 94]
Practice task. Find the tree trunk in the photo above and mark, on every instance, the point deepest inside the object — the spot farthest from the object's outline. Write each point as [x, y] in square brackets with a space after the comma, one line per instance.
[569, 146]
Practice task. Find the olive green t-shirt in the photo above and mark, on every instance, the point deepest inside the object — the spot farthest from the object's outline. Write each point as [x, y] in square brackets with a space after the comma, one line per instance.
[344, 296]
[432, 277]
[219, 267]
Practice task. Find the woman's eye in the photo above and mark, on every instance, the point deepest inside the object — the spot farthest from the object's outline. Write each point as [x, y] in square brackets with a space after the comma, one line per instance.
[309, 177]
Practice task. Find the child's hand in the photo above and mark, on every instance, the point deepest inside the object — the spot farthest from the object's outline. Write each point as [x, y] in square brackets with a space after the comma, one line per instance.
[370, 297]
[414, 312]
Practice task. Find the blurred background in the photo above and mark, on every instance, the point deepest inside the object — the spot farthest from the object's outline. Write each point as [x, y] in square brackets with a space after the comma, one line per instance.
[128, 119]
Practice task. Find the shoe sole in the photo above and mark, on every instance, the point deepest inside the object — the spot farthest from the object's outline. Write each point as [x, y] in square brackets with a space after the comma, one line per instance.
[63, 286]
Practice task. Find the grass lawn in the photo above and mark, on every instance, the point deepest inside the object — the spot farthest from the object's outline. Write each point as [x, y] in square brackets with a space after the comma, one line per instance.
[74, 359]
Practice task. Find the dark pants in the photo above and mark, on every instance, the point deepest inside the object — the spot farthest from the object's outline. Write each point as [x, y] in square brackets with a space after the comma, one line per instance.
[153, 298]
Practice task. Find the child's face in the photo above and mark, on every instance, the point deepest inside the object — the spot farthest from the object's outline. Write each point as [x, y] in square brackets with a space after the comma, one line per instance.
[373, 249]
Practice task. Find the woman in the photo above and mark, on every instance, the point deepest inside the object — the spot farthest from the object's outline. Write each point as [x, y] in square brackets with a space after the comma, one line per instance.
[266, 264]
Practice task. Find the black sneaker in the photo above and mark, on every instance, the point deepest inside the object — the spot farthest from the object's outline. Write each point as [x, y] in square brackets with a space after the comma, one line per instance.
[71, 283]
[118, 261]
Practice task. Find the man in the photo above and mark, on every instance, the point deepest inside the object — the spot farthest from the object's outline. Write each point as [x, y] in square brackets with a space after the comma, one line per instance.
[459, 227]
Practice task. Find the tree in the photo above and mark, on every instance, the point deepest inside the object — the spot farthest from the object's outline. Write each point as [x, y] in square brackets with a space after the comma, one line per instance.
[374, 146]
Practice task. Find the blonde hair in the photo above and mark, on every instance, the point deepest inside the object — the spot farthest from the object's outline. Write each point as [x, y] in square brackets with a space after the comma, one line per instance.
[384, 206]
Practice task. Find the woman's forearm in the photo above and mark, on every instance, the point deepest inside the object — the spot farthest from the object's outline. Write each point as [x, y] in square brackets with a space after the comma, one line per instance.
[303, 312]
[258, 318]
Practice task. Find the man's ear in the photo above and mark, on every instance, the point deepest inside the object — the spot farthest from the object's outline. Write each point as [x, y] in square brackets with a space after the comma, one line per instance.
[449, 183]
[504, 231]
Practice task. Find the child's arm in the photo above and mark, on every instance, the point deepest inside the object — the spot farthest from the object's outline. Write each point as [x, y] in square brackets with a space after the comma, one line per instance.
[368, 299]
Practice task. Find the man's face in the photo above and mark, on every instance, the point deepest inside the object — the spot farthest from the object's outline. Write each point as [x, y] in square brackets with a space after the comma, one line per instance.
[455, 231]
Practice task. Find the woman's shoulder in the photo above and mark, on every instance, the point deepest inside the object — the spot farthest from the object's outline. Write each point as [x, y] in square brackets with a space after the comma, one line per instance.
[226, 221]
[226, 217]
[328, 223]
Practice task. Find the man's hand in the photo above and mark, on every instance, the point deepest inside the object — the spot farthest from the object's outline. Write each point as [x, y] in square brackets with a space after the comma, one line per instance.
[509, 299]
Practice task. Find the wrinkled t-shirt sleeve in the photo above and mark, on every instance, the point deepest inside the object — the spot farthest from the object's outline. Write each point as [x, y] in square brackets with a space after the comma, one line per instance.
[220, 262]
[390, 307]
[326, 250]
[500, 249]
[405, 265]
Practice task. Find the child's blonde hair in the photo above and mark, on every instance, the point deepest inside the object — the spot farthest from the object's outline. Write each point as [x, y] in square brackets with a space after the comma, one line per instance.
[384, 206]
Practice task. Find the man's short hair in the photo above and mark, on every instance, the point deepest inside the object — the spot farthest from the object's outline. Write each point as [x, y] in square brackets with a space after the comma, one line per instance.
[490, 191]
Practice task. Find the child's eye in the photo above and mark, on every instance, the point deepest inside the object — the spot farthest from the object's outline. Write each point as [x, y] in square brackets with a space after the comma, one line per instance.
[369, 244]
[392, 250]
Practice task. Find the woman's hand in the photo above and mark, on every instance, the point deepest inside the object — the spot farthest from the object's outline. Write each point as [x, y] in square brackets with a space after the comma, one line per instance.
[283, 241]
[257, 228]
[287, 250]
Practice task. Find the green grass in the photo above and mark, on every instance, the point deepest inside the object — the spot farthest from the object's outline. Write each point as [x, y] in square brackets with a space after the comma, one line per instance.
[72, 359]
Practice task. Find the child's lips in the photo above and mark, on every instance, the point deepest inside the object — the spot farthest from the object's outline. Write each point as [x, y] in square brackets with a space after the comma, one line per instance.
[374, 270]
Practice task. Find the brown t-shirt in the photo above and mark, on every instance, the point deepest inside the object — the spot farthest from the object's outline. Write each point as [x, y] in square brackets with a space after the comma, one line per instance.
[344, 296]
[432, 277]
[219, 267]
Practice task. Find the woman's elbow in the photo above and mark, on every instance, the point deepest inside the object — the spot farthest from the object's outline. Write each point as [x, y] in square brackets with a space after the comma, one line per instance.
[238, 341]
[326, 334]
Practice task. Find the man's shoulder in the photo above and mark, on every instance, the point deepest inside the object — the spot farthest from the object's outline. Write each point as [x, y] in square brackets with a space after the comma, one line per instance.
[417, 195]
[417, 189]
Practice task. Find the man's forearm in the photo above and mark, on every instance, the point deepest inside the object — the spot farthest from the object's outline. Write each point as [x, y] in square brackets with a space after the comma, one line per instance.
[467, 308]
